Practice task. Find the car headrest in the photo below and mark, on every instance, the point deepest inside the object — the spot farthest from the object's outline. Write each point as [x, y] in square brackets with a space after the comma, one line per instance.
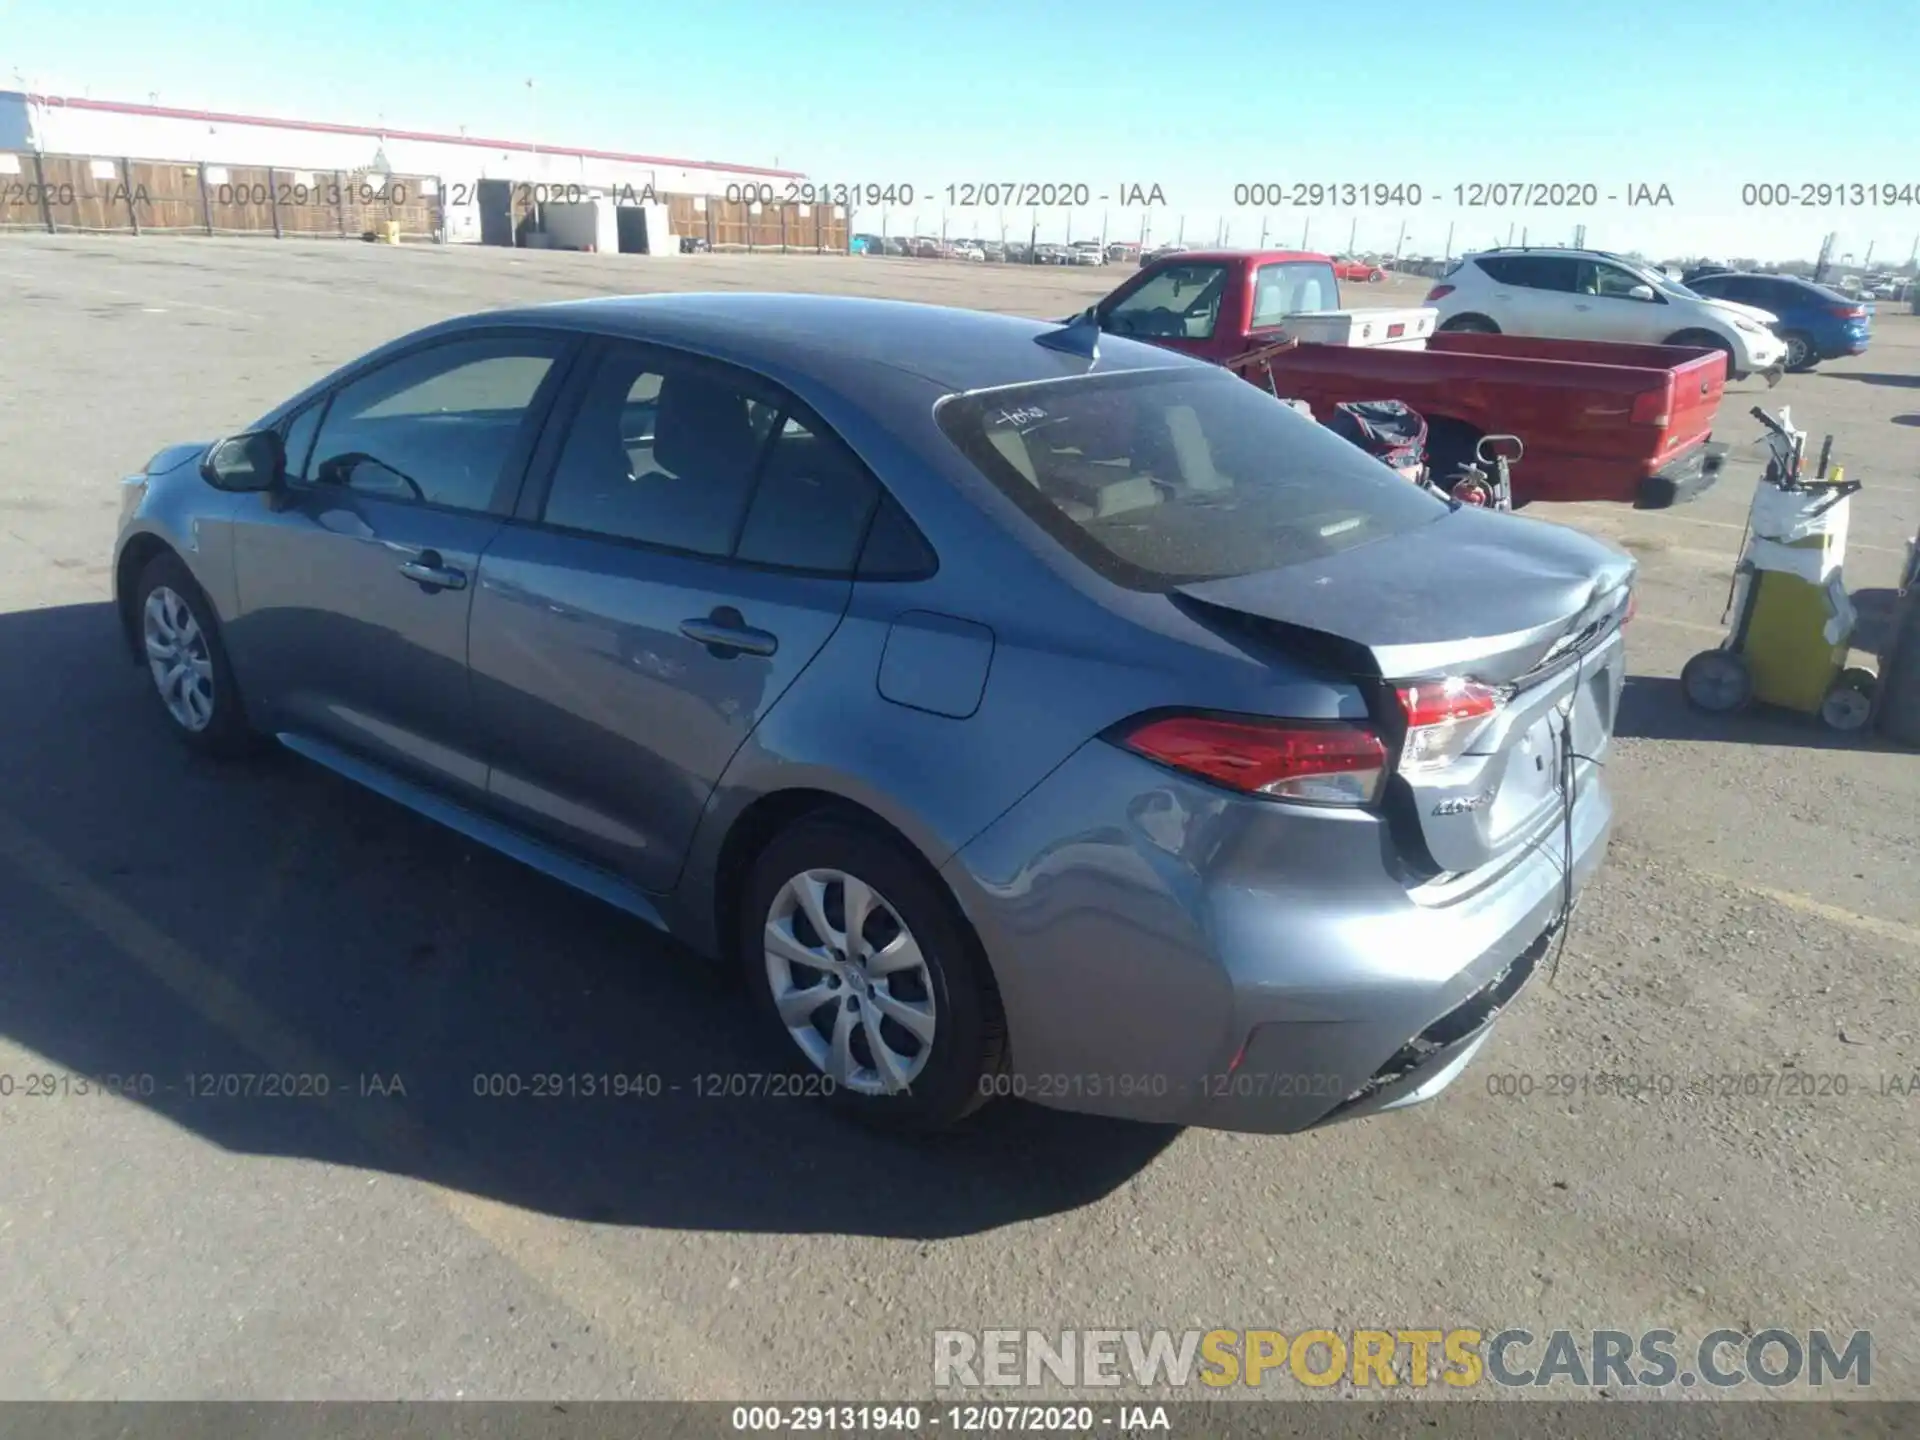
[701, 427]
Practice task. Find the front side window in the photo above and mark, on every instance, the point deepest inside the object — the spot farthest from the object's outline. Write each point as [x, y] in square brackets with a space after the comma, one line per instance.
[1609, 281]
[1182, 302]
[435, 427]
[1162, 478]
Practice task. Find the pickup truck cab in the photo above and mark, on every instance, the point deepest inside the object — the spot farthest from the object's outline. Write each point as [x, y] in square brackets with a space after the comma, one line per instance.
[1601, 421]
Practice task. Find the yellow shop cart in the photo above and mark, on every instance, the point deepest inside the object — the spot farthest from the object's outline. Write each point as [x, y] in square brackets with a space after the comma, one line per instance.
[1791, 621]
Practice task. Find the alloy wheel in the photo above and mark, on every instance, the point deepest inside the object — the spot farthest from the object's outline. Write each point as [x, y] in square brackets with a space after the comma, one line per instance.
[850, 982]
[179, 658]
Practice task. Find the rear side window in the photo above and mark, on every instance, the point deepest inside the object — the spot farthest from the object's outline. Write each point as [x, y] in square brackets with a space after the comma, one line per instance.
[811, 507]
[1162, 478]
[1532, 272]
[1292, 287]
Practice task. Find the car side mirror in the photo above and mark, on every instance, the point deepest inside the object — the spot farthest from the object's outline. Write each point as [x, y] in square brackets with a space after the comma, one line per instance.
[255, 461]
[1640, 292]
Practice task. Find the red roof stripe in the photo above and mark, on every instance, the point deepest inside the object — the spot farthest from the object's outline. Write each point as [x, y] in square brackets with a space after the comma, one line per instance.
[164, 112]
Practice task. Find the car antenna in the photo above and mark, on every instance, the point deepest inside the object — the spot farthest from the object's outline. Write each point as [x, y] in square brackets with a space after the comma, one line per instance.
[1079, 336]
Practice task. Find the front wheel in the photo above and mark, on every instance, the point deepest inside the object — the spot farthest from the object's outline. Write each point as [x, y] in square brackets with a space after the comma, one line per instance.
[186, 663]
[1469, 325]
[863, 963]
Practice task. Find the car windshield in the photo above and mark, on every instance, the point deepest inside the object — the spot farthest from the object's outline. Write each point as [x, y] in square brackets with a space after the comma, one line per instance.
[1160, 478]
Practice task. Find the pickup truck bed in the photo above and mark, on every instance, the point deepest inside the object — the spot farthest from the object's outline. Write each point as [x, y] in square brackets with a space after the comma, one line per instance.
[1600, 421]
[1627, 423]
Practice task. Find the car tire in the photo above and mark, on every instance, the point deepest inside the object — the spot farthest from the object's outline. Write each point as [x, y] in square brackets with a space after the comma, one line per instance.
[1802, 355]
[1707, 340]
[1899, 705]
[933, 1076]
[1469, 325]
[189, 676]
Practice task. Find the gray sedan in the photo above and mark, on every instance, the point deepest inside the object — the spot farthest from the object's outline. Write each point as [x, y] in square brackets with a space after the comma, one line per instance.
[1027, 712]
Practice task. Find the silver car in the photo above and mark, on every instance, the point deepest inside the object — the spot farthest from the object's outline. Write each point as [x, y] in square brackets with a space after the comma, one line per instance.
[1027, 712]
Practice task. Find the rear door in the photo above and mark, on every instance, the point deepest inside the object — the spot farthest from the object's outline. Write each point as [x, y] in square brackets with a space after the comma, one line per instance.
[684, 552]
[1542, 298]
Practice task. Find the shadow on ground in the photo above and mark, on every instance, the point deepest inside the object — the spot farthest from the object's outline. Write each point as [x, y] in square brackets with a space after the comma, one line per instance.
[1653, 707]
[167, 917]
[1901, 382]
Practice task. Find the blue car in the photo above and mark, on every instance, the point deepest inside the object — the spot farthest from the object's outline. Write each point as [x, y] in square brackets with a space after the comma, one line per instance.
[1817, 323]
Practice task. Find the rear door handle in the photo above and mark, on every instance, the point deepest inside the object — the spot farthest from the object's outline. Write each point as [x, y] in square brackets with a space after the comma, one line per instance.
[428, 569]
[726, 633]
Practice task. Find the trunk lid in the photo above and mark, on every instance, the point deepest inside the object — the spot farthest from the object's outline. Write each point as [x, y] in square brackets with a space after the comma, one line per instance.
[1530, 608]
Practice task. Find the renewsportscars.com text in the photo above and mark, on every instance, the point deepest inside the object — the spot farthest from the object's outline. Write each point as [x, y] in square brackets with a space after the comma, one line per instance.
[1413, 1358]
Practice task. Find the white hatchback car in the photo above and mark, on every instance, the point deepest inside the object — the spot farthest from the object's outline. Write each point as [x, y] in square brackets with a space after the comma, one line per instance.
[1592, 295]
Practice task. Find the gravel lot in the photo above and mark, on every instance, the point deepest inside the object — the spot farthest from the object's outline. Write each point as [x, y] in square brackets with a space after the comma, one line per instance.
[1761, 910]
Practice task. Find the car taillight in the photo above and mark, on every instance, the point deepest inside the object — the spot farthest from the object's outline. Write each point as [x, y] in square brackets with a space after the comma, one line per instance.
[1848, 312]
[1439, 292]
[1650, 408]
[1443, 716]
[1319, 762]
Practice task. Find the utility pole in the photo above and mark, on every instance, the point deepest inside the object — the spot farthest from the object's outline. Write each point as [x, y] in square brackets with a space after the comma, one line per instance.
[535, 146]
[1509, 232]
[1353, 234]
[1867, 264]
[1401, 243]
[1180, 237]
[1306, 229]
[1263, 232]
[1449, 254]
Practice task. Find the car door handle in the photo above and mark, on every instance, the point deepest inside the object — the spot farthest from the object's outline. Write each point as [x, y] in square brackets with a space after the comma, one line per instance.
[726, 633]
[428, 569]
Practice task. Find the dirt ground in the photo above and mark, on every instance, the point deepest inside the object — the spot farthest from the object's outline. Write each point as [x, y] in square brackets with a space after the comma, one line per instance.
[1759, 915]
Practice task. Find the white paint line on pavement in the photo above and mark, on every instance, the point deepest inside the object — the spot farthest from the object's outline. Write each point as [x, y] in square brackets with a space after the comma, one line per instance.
[548, 1251]
[1872, 925]
[1730, 525]
[66, 283]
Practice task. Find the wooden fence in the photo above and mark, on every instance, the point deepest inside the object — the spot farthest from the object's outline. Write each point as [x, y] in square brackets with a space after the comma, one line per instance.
[74, 194]
[78, 194]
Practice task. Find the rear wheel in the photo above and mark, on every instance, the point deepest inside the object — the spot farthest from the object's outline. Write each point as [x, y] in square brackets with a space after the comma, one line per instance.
[862, 962]
[1801, 354]
[1469, 325]
[1717, 682]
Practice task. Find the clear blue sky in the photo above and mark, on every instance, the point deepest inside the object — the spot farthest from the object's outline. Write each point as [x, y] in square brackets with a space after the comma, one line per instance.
[1701, 97]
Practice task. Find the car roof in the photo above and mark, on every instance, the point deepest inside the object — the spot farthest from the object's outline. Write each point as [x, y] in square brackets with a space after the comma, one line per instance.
[1224, 256]
[829, 339]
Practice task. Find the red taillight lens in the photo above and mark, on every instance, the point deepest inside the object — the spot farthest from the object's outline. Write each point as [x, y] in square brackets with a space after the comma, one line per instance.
[1650, 408]
[1848, 312]
[1286, 760]
[1439, 292]
[1443, 716]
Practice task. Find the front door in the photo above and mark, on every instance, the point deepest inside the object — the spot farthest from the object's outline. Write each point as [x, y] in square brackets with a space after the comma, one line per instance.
[356, 583]
[692, 552]
[1613, 311]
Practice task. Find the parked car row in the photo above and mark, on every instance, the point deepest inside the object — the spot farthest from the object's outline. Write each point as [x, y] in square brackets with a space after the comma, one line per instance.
[1764, 324]
[929, 247]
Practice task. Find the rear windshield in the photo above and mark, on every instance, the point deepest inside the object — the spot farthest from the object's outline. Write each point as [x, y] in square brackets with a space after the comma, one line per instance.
[1160, 478]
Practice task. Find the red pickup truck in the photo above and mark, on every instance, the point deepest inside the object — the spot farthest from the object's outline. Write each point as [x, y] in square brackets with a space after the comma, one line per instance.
[1600, 421]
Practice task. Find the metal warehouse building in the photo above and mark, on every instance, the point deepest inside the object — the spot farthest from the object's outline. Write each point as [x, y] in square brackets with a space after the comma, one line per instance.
[95, 162]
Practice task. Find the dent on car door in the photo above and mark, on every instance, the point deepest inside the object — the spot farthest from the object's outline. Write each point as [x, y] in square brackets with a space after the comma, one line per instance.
[689, 554]
[354, 584]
